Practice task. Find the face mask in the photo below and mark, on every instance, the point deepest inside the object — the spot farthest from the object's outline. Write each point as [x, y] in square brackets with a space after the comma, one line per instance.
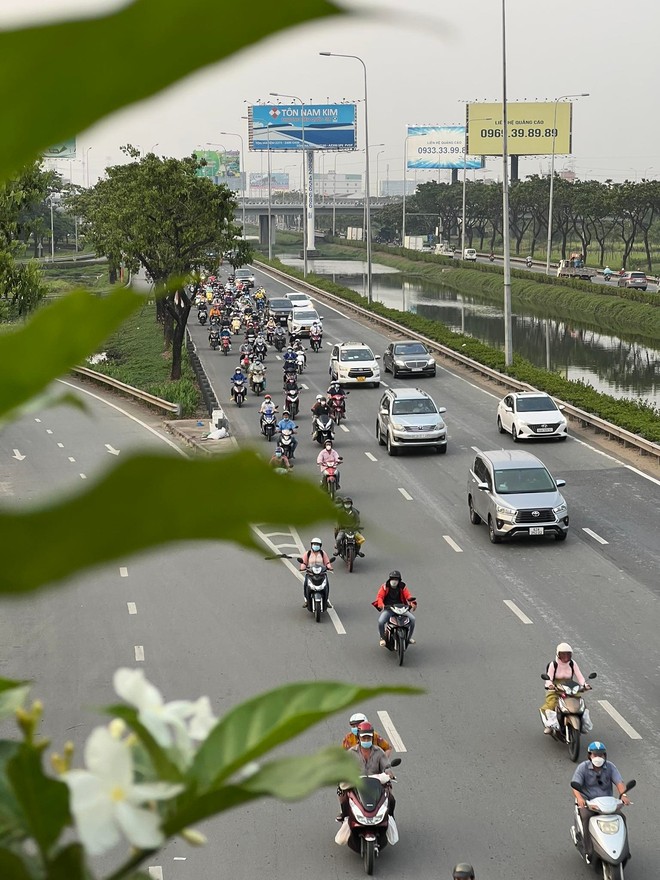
[394, 585]
[316, 547]
[354, 731]
[598, 762]
[366, 744]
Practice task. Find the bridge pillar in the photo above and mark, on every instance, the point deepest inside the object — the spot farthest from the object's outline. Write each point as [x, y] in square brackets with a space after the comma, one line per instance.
[263, 229]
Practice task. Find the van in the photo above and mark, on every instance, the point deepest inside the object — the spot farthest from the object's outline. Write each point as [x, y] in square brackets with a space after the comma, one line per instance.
[470, 254]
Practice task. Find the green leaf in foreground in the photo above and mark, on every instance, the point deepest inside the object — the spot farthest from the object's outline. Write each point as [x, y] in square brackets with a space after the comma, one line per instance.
[57, 338]
[260, 724]
[138, 505]
[126, 56]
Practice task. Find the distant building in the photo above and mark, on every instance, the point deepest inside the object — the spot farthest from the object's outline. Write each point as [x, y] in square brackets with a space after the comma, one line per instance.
[568, 175]
[395, 187]
[338, 185]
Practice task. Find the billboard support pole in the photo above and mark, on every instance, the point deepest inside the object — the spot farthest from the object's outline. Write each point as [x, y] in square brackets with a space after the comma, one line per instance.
[405, 168]
[270, 193]
[508, 347]
[309, 207]
[242, 170]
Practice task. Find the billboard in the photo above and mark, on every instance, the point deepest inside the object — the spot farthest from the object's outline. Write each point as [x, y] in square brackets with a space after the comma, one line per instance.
[219, 164]
[285, 126]
[62, 150]
[438, 146]
[279, 180]
[530, 128]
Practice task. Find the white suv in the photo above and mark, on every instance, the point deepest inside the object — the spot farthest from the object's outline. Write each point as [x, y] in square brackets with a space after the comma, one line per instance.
[354, 362]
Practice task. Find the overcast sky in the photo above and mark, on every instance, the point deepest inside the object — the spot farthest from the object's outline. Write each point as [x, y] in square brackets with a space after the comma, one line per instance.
[419, 71]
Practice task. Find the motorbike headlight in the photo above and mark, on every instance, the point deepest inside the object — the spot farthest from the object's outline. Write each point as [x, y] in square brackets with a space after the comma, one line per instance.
[504, 511]
[380, 815]
[608, 826]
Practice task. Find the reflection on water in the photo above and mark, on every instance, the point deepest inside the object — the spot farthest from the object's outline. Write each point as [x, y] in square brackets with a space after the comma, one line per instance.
[621, 367]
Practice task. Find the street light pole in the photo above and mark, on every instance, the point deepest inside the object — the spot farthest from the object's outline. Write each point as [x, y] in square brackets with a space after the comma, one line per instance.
[52, 231]
[378, 155]
[405, 169]
[304, 171]
[366, 184]
[270, 191]
[506, 232]
[463, 221]
[552, 177]
[243, 171]
[87, 165]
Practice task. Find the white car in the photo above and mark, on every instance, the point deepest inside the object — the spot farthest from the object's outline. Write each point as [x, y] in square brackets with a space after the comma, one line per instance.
[300, 321]
[531, 415]
[354, 363]
[300, 300]
[470, 255]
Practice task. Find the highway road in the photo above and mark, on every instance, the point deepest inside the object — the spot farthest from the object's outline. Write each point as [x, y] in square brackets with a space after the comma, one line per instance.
[478, 779]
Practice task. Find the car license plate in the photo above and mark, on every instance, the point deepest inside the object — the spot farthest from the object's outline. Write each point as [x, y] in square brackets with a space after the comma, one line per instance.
[360, 378]
[544, 430]
[417, 369]
[536, 530]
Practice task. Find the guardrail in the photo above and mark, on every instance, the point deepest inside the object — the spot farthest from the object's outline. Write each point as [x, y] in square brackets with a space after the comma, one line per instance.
[144, 396]
[600, 426]
[206, 388]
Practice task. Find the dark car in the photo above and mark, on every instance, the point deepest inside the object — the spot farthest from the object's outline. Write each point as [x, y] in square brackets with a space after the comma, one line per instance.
[408, 358]
[280, 308]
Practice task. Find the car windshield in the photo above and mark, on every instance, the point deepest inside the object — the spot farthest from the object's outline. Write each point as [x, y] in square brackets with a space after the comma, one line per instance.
[517, 481]
[242, 273]
[302, 315]
[413, 407]
[280, 304]
[356, 354]
[410, 348]
[535, 404]
[298, 297]
[637, 275]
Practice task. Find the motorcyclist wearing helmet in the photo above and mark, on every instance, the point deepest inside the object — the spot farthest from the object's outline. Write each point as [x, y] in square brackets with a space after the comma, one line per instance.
[346, 505]
[290, 359]
[286, 423]
[596, 776]
[351, 738]
[316, 555]
[279, 460]
[372, 760]
[394, 592]
[561, 670]
[328, 457]
[267, 403]
[463, 871]
[237, 376]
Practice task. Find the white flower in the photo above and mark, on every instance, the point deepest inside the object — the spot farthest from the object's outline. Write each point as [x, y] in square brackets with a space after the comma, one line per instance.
[202, 720]
[105, 801]
[157, 716]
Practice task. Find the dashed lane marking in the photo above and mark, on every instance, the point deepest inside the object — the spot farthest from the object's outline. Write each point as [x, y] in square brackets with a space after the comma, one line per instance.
[370, 456]
[48, 431]
[454, 546]
[61, 445]
[72, 460]
[405, 494]
[132, 607]
[519, 614]
[123, 571]
[620, 720]
[345, 429]
[392, 733]
[595, 536]
[83, 476]
[37, 420]
[156, 872]
[139, 653]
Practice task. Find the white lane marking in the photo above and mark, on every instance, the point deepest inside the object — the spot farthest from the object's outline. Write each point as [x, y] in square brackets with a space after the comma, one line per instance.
[338, 625]
[370, 456]
[332, 614]
[61, 445]
[72, 460]
[156, 872]
[615, 460]
[595, 536]
[139, 653]
[302, 385]
[277, 357]
[178, 858]
[405, 494]
[132, 607]
[128, 416]
[111, 449]
[392, 733]
[329, 343]
[48, 431]
[620, 720]
[123, 571]
[296, 290]
[475, 448]
[83, 476]
[384, 384]
[452, 543]
[37, 420]
[344, 428]
[642, 474]
[519, 614]
[18, 455]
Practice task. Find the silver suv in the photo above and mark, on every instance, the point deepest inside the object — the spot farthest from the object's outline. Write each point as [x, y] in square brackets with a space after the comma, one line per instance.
[515, 494]
[409, 417]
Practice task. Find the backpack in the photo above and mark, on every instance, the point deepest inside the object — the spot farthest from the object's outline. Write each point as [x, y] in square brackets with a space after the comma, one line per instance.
[554, 663]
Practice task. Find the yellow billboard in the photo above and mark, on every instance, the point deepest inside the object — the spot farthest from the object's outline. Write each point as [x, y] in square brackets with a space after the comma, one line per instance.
[530, 128]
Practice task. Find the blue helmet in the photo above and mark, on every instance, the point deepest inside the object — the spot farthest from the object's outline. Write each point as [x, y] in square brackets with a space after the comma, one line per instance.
[597, 746]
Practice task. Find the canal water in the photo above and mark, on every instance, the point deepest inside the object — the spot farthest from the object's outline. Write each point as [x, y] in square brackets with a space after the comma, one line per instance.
[622, 367]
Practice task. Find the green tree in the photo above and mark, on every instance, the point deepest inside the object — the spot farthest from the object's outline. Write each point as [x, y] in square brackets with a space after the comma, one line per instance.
[156, 214]
[240, 254]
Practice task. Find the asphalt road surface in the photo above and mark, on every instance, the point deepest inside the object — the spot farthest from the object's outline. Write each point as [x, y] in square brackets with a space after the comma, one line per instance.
[478, 780]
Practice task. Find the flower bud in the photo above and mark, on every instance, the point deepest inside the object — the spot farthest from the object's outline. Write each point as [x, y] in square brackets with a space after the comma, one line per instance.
[194, 837]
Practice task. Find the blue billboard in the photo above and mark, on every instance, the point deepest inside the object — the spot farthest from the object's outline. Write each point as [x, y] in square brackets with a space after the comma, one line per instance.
[438, 146]
[308, 126]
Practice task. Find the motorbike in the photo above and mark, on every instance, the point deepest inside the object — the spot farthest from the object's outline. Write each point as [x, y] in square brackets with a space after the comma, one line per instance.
[608, 275]
[315, 340]
[349, 548]
[214, 338]
[317, 588]
[280, 341]
[257, 383]
[609, 834]
[337, 404]
[235, 324]
[491, 257]
[369, 822]
[202, 315]
[324, 428]
[270, 336]
[225, 344]
[570, 714]
[330, 481]
[397, 630]
[301, 362]
[292, 400]
[268, 424]
[286, 442]
[528, 262]
[214, 321]
[239, 393]
[260, 350]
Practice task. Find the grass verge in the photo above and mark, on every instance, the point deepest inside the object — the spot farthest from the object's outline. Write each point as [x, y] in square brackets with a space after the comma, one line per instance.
[135, 356]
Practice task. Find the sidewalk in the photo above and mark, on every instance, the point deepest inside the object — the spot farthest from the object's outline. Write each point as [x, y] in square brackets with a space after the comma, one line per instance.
[193, 431]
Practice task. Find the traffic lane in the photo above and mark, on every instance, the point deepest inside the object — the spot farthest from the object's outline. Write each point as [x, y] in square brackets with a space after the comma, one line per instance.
[540, 270]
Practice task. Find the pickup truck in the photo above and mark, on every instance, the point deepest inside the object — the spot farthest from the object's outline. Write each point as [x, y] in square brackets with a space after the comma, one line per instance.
[566, 269]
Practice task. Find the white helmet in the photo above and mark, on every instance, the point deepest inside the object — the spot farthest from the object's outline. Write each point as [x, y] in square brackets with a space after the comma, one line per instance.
[357, 718]
[564, 648]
